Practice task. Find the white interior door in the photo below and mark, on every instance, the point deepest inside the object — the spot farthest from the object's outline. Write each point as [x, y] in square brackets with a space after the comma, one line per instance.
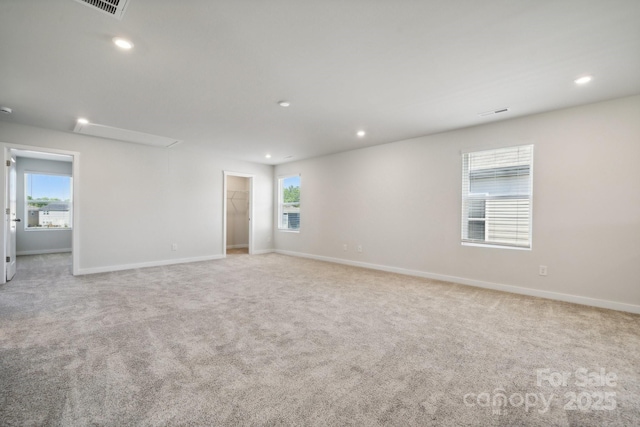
[10, 215]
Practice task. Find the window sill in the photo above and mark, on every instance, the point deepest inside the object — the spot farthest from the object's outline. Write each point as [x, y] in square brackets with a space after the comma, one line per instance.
[285, 230]
[482, 245]
[48, 229]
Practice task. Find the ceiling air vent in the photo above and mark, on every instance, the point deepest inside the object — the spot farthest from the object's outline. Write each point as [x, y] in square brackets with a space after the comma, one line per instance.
[114, 8]
[125, 135]
[494, 112]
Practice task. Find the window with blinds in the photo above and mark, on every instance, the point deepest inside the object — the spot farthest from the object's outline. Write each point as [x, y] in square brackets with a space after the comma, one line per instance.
[496, 197]
[289, 203]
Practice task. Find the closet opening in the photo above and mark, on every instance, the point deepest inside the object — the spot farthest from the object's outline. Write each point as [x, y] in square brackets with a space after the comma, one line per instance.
[238, 213]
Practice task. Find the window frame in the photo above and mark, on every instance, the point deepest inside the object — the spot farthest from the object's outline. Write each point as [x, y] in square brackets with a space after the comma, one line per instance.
[26, 202]
[466, 179]
[281, 203]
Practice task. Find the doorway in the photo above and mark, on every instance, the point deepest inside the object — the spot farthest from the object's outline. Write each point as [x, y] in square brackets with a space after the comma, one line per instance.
[41, 215]
[238, 213]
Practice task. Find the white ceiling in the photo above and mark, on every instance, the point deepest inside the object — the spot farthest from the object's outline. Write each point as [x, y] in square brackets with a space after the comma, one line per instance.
[210, 73]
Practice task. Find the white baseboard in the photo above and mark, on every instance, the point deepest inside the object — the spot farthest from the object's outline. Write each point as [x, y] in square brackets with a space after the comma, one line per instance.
[112, 268]
[263, 251]
[43, 251]
[237, 246]
[133, 266]
[593, 302]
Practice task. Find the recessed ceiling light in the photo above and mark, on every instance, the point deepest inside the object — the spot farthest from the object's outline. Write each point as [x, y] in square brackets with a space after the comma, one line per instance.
[284, 103]
[268, 156]
[122, 43]
[583, 80]
[83, 121]
[6, 110]
[361, 133]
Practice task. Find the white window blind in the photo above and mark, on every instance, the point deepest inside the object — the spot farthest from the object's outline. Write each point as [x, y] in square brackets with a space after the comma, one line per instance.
[496, 196]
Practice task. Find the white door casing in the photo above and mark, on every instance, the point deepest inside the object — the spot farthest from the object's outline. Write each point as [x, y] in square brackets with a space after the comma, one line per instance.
[10, 214]
[4, 186]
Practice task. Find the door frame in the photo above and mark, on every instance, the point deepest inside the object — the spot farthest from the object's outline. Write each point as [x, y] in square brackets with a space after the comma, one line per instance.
[251, 177]
[11, 215]
[75, 230]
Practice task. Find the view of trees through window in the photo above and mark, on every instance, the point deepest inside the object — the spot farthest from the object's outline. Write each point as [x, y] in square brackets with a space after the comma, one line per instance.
[48, 201]
[292, 195]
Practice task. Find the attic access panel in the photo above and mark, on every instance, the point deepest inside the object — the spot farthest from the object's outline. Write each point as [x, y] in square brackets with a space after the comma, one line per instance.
[125, 135]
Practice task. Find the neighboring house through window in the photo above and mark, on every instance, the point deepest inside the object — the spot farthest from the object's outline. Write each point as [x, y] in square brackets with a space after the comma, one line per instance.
[496, 197]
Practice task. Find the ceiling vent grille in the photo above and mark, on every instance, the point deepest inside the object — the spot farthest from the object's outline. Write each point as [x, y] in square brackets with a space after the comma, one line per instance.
[115, 8]
[125, 135]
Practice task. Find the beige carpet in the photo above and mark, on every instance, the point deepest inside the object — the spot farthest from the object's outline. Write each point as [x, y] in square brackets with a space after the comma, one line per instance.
[275, 340]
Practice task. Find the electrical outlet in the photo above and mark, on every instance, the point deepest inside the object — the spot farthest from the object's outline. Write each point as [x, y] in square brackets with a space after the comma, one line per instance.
[345, 247]
[174, 246]
[359, 248]
[543, 270]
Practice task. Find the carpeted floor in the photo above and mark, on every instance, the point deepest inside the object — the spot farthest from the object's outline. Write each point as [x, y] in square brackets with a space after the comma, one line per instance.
[275, 340]
[237, 251]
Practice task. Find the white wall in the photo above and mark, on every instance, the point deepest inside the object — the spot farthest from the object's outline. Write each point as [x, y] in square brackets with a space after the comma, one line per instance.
[135, 201]
[237, 212]
[39, 241]
[401, 202]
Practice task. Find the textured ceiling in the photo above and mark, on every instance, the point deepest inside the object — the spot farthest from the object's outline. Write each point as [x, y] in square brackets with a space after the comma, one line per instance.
[210, 73]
